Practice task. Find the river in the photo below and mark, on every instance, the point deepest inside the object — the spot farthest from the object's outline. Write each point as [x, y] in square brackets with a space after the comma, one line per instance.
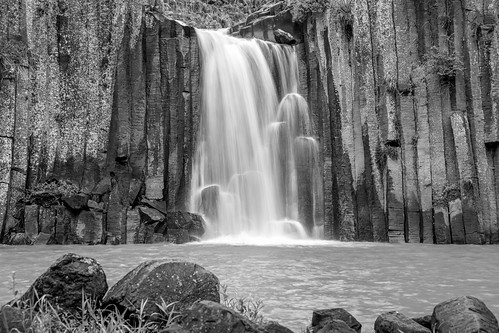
[292, 279]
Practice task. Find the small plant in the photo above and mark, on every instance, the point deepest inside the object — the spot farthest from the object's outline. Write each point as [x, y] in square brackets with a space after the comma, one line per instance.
[246, 306]
[301, 9]
[444, 64]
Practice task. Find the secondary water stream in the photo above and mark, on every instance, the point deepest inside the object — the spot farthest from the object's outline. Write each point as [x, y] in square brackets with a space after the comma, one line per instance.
[294, 278]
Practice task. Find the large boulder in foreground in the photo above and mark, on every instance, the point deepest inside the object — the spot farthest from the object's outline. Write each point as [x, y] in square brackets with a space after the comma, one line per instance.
[320, 318]
[64, 281]
[162, 280]
[396, 322]
[211, 317]
[463, 314]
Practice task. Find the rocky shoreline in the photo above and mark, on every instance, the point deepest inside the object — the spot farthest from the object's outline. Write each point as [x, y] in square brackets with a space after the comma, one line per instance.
[195, 293]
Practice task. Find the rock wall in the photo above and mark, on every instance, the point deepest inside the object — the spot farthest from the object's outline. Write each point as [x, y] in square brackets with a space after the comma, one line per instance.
[103, 107]
[404, 100]
[103, 116]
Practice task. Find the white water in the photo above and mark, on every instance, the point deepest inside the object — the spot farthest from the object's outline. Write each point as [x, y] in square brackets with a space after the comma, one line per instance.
[245, 174]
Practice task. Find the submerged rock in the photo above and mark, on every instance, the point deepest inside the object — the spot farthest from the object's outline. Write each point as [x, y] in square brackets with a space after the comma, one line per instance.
[396, 322]
[66, 280]
[320, 318]
[463, 314]
[212, 317]
[275, 327]
[161, 280]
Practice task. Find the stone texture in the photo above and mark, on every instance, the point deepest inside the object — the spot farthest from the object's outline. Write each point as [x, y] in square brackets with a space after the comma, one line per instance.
[150, 215]
[463, 314]
[194, 224]
[320, 318]
[395, 322]
[336, 326]
[275, 327]
[211, 317]
[171, 281]
[65, 281]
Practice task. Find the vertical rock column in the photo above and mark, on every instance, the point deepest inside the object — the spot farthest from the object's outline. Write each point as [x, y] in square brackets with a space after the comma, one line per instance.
[14, 109]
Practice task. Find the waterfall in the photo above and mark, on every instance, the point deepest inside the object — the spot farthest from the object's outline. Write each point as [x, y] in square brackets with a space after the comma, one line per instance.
[256, 160]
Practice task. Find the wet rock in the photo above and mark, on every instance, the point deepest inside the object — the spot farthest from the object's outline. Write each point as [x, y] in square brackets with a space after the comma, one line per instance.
[89, 227]
[395, 322]
[158, 280]
[65, 280]
[283, 37]
[275, 327]
[150, 215]
[133, 227]
[42, 239]
[193, 223]
[13, 319]
[423, 321]
[20, 239]
[178, 236]
[320, 318]
[463, 314]
[211, 317]
[76, 201]
[336, 326]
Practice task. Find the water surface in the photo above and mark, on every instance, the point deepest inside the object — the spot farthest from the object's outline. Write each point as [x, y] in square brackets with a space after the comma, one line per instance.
[293, 279]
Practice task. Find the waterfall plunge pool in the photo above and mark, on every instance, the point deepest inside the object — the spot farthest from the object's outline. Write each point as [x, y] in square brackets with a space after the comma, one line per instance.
[295, 278]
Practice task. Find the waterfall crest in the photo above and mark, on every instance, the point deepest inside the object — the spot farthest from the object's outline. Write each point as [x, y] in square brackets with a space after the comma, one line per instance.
[249, 161]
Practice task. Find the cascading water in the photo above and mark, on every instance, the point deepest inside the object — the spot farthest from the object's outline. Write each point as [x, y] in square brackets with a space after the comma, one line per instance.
[254, 170]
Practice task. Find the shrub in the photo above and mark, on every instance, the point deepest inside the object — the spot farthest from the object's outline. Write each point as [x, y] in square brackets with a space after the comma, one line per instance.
[212, 14]
[300, 9]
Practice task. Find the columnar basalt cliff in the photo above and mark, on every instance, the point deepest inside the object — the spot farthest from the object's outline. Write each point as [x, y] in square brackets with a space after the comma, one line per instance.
[100, 103]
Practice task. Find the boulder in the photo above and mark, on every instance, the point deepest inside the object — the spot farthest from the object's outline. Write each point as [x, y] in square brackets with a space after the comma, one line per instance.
[336, 326]
[211, 317]
[13, 319]
[76, 201]
[275, 327]
[150, 215]
[162, 280]
[321, 318]
[463, 314]
[396, 322]
[20, 239]
[283, 37]
[424, 321]
[134, 190]
[193, 223]
[65, 280]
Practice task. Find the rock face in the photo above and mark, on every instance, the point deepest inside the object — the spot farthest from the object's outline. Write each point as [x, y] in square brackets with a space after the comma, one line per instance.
[395, 322]
[463, 312]
[211, 317]
[65, 280]
[320, 319]
[168, 281]
[405, 109]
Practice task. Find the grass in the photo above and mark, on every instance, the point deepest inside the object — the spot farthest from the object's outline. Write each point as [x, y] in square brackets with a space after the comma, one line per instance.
[45, 316]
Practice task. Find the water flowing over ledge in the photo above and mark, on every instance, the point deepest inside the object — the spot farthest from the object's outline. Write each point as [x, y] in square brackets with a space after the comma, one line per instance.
[255, 172]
